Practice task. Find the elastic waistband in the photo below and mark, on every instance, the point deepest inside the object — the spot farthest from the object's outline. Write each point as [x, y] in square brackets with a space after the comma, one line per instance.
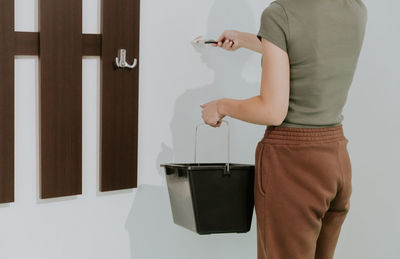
[280, 134]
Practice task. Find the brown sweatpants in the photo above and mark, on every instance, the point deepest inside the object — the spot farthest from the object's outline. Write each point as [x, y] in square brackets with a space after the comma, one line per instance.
[302, 191]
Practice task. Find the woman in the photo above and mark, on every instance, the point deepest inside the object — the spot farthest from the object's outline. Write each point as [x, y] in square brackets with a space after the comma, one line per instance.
[310, 50]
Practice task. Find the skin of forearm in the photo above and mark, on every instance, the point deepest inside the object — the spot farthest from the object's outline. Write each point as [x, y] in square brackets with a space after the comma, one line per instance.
[250, 41]
[253, 110]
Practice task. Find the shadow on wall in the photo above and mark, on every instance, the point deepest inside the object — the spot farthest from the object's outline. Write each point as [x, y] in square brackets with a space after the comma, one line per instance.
[154, 235]
[228, 67]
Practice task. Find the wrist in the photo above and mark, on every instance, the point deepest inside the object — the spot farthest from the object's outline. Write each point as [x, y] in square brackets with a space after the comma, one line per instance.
[221, 107]
[244, 39]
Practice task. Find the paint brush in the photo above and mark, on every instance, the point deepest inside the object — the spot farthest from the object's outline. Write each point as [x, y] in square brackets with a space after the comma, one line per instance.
[204, 41]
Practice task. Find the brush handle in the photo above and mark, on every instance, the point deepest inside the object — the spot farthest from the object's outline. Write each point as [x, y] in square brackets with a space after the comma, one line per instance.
[213, 41]
[210, 41]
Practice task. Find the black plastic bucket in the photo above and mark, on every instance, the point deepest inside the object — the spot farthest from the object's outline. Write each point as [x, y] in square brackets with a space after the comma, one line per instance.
[211, 198]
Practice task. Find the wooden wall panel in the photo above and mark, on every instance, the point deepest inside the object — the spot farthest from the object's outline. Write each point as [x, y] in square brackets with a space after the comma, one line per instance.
[6, 101]
[60, 27]
[119, 95]
[27, 43]
[91, 44]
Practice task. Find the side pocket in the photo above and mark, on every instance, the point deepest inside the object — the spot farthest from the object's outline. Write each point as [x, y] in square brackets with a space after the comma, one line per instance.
[261, 172]
[348, 160]
[345, 165]
[349, 167]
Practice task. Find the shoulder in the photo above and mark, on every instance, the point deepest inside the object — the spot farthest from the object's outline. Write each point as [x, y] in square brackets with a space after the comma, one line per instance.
[274, 11]
[364, 10]
[274, 25]
[359, 12]
[277, 11]
[276, 6]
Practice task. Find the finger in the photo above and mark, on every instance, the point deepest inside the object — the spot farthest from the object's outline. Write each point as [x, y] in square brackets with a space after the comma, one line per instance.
[215, 124]
[230, 43]
[226, 44]
[221, 38]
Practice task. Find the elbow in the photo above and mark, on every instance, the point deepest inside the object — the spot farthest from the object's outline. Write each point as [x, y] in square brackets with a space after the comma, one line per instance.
[276, 121]
[275, 111]
[277, 116]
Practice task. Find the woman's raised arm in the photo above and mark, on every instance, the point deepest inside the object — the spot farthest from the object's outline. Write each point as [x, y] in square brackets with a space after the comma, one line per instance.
[232, 40]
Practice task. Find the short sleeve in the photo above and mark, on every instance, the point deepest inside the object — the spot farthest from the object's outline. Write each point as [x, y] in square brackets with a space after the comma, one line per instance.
[274, 25]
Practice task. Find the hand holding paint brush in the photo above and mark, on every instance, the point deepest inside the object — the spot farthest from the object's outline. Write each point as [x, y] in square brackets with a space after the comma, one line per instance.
[229, 40]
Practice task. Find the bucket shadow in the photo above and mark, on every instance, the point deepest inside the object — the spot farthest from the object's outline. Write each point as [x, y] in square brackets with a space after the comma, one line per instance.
[154, 235]
[152, 232]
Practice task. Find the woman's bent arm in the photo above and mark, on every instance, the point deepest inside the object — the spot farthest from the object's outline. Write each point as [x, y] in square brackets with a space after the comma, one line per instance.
[252, 110]
[270, 107]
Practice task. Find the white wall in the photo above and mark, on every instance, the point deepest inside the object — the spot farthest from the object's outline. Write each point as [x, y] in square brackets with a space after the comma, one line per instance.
[175, 77]
[372, 123]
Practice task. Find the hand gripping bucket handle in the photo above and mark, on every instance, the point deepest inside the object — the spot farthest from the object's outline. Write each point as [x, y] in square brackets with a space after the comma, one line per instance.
[226, 171]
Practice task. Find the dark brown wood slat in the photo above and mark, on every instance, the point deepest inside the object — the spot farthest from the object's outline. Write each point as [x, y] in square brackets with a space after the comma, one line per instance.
[91, 44]
[27, 43]
[6, 101]
[119, 95]
[60, 27]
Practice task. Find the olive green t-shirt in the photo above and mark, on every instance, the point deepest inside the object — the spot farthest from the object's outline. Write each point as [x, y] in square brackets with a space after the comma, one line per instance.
[323, 39]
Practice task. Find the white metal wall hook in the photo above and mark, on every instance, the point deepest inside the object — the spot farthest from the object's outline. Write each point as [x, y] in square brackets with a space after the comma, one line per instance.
[120, 61]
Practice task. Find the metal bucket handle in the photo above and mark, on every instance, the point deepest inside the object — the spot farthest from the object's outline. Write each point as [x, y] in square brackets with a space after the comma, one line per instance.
[226, 171]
